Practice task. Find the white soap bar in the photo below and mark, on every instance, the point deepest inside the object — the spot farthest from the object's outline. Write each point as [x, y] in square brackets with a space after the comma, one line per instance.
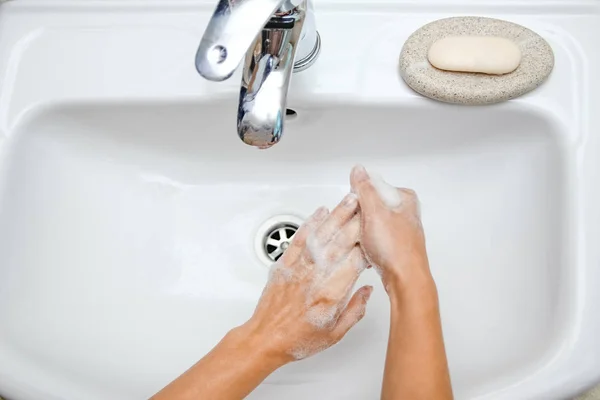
[485, 54]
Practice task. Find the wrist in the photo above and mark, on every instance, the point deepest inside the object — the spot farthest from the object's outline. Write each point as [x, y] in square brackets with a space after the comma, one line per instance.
[257, 346]
[415, 286]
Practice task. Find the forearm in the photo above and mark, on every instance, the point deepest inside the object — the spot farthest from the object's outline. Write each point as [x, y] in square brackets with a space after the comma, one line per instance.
[235, 367]
[416, 365]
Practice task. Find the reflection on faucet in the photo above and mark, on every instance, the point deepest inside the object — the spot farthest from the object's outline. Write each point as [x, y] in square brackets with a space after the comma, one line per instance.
[269, 59]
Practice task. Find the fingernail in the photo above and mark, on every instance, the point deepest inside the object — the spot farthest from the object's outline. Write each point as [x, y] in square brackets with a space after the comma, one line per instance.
[360, 173]
[350, 200]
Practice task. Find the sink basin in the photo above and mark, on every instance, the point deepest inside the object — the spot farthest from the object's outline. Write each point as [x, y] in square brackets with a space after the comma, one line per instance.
[128, 215]
[150, 227]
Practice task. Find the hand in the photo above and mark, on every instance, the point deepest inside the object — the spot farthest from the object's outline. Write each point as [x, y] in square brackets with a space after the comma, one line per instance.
[304, 308]
[392, 236]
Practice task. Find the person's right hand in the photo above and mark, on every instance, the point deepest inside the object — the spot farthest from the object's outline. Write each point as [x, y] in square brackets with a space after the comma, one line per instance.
[392, 236]
[393, 241]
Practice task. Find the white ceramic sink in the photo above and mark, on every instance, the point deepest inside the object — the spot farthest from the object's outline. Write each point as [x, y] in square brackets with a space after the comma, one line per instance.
[129, 207]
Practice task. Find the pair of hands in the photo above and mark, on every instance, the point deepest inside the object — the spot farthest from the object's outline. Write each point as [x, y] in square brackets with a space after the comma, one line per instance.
[308, 304]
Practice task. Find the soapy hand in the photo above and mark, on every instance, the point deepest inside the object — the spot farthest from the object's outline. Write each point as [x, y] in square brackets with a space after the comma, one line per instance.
[306, 306]
[392, 236]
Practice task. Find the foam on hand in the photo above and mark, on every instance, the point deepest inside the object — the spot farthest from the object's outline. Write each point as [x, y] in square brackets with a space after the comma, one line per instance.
[318, 254]
[307, 349]
[388, 194]
[321, 316]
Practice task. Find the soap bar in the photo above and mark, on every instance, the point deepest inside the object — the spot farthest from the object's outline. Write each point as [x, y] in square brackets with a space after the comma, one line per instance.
[485, 54]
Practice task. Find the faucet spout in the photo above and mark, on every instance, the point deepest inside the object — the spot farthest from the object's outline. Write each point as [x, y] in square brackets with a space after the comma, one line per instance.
[268, 32]
[266, 78]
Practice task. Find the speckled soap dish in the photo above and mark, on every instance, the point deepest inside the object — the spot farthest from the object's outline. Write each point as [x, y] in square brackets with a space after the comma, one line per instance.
[536, 64]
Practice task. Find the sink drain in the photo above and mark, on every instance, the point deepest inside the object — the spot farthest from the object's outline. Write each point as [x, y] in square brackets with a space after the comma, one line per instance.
[274, 237]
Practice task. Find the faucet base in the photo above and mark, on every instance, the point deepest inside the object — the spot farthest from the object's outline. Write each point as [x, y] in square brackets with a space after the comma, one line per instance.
[309, 60]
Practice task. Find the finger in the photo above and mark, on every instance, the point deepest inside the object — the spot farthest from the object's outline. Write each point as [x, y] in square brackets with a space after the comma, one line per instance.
[299, 241]
[343, 242]
[361, 184]
[342, 278]
[337, 219]
[354, 312]
[410, 200]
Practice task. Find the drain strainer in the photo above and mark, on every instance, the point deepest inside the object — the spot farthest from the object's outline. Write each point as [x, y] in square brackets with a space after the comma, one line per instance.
[274, 236]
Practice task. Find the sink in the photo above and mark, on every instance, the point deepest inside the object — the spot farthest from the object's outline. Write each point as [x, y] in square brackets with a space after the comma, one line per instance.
[133, 213]
[129, 208]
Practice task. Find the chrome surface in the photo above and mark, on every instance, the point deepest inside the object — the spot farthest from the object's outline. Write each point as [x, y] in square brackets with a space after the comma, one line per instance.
[268, 32]
[230, 33]
[306, 62]
[278, 240]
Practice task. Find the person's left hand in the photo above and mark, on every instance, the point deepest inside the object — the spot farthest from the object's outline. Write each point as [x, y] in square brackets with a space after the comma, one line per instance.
[306, 306]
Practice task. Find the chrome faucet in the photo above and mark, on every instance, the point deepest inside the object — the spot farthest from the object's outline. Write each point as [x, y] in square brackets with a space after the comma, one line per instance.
[268, 35]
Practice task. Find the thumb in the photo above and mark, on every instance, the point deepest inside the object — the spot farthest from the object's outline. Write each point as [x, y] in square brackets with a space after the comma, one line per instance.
[361, 184]
[354, 312]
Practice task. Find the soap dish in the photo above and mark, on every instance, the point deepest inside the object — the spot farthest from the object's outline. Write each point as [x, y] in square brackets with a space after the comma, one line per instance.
[537, 62]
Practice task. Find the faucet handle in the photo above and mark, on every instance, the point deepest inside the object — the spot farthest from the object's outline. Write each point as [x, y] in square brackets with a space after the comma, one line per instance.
[230, 33]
